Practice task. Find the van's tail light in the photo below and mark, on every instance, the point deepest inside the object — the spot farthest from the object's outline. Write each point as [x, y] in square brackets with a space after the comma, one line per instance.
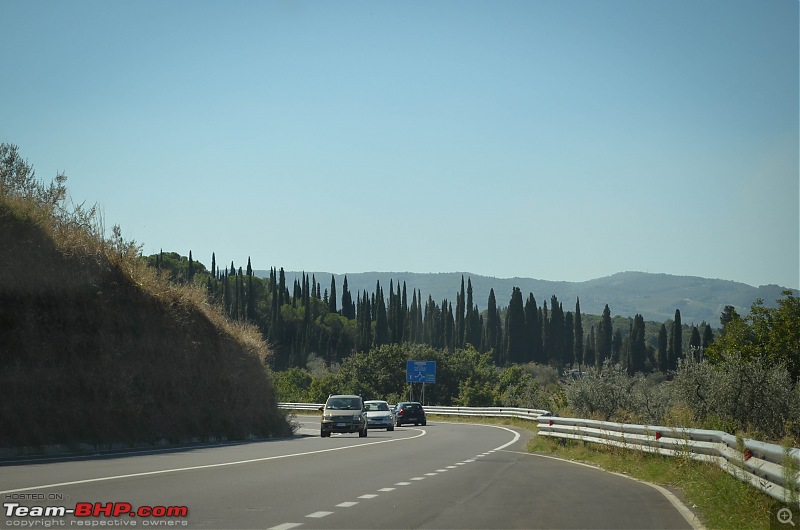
[421, 410]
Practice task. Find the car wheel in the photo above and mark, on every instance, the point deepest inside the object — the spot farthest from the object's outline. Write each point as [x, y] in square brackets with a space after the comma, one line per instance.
[390, 428]
[416, 423]
[424, 423]
[362, 433]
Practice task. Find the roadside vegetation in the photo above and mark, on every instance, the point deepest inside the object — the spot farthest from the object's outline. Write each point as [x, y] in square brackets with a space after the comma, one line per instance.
[743, 384]
[97, 349]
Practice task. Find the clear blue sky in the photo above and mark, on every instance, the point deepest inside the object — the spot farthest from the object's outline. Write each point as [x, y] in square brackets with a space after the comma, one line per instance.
[558, 140]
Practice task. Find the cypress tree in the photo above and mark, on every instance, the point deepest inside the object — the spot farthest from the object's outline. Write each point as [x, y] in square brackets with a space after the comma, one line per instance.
[638, 350]
[578, 334]
[695, 342]
[616, 346]
[708, 335]
[281, 288]
[603, 338]
[348, 309]
[663, 349]
[494, 331]
[190, 274]
[235, 304]
[515, 333]
[459, 316]
[542, 328]
[449, 338]
[226, 295]
[213, 266]
[403, 315]
[427, 323]
[676, 344]
[589, 355]
[569, 340]
[420, 325]
[468, 322]
[381, 320]
[391, 314]
[332, 298]
[555, 333]
[242, 309]
[533, 347]
[412, 320]
[251, 295]
[625, 351]
[364, 319]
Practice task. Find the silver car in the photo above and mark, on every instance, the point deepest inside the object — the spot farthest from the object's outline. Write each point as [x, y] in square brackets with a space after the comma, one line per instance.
[379, 415]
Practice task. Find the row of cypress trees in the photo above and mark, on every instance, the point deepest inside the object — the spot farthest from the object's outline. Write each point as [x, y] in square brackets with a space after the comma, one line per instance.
[311, 320]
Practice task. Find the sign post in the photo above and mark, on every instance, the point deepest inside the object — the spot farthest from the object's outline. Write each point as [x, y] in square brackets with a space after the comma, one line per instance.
[420, 372]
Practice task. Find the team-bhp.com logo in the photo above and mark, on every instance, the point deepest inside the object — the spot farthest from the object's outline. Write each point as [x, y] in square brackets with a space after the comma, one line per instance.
[88, 511]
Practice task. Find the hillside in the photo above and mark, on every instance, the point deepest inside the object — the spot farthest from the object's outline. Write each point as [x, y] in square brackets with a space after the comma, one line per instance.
[654, 296]
[94, 350]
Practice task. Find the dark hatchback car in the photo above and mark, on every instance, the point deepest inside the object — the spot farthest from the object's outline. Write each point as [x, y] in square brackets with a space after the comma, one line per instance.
[409, 412]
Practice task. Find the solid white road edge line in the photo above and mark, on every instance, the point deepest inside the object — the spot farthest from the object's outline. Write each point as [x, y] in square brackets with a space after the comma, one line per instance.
[687, 514]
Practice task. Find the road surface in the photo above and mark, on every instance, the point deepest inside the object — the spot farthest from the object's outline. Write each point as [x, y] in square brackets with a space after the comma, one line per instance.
[443, 476]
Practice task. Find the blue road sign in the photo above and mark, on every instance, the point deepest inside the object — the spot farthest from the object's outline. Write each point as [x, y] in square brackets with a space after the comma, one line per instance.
[421, 371]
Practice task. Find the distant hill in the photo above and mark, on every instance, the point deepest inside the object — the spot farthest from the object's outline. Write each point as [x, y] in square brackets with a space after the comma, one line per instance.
[654, 296]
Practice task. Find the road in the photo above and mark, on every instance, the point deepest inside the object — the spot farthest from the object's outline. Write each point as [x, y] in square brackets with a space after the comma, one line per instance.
[443, 475]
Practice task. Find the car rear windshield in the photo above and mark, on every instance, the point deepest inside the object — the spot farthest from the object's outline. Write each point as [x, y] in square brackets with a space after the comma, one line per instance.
[412, 406]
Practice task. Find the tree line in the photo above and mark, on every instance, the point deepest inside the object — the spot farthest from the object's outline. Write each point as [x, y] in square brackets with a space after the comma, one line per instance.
[304, 318]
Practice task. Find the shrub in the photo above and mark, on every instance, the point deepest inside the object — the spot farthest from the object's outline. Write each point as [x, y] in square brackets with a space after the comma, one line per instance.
[740, 394]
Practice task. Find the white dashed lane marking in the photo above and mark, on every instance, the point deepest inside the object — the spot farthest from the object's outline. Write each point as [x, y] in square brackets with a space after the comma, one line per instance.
[349, 504]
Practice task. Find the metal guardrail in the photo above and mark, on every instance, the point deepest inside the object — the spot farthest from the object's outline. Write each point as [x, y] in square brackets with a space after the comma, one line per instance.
[771, 468]
[495, 412]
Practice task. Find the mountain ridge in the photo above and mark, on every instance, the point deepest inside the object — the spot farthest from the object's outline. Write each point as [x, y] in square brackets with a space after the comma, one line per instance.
[655, 296]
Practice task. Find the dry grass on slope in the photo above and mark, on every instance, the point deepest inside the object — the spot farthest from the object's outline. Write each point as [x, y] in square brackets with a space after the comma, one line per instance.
[95, 348]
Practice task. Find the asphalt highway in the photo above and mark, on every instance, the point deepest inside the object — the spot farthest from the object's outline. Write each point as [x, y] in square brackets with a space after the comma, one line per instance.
[441, 476]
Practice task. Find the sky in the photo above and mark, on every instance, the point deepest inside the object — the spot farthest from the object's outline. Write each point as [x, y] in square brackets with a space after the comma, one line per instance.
[561, 140]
